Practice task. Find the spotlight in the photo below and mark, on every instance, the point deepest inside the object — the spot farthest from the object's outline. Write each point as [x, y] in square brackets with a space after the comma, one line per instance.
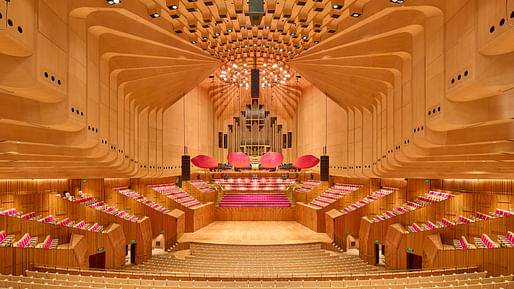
[194, 42]
[305, 37]
[355, 14]
[242, 28]
[112, 2]
[268, 27]
[155, 15]
[217, 34]
[173, 7]
[230, 30]
[337, 6]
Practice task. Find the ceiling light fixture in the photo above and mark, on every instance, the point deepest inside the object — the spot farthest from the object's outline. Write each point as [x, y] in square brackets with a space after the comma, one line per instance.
[355, 14]
[155, 15]
[112, 2]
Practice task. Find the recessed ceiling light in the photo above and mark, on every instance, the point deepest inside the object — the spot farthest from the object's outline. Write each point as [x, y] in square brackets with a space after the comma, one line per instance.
[337, 6]
[355, 14]
[155, 15]
[112, 2]
[230, 30]
[173, 7]
[194, 42]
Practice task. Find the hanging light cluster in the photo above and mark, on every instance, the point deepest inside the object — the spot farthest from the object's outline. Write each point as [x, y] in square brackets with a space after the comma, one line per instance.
[271, 74]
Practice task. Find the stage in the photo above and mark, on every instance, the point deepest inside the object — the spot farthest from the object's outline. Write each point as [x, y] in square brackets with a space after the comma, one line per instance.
[255, 233]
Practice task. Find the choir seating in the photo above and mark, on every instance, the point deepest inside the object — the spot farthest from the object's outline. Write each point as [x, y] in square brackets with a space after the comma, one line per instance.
[64, 222]
[444, 222]
[257, 184]
[142, 199]
[334, 193]
[418, 203]
[177, 194]
[98, 205]
[201, 185]
[384, 191]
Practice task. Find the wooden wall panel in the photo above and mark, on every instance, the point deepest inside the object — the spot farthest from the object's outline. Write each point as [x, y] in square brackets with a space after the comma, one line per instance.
[255, 214]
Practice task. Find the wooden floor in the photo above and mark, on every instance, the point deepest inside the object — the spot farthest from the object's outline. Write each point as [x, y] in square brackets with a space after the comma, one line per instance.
[255, 233]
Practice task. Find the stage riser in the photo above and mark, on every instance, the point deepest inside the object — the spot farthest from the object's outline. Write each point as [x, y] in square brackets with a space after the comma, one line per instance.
[255, 214]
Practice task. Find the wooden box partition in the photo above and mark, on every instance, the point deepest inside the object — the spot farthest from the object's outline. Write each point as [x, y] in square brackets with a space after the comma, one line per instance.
[414, 243]
[199, 195]
[115, 254]
[310, 195]
[313, 218]
[73, 254]
[162, 223]
[199, 217]
[330, 218]
[138, 233]
[371, 232]
[496, 261]
[349, 224]
[195, 218]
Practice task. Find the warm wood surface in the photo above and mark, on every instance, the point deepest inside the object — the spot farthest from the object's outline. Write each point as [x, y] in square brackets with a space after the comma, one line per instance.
[256, 233]
[254, 213]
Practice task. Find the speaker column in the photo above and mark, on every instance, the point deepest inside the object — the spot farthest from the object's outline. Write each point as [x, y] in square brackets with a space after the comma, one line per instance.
[324, 169]
[186, 168]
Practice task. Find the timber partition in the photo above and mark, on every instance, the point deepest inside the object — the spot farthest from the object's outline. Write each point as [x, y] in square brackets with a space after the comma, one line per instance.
[399, 242]
[372, 233]
[195, 218]
[495, 261]
[162, 223]
[349, 223]
[107, 241]
[306, 197]
[204, 197]
[72, 254]
[138, 233]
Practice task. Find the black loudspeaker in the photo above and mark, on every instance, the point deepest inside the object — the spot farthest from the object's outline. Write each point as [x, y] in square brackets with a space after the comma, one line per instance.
[256, 11]
[186, 168]
[289, 139]
[220, 139]
[324, 172]
[284, 141]
[255, 83]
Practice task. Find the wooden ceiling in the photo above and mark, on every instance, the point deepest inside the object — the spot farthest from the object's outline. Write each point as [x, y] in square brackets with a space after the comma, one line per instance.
[86, 86]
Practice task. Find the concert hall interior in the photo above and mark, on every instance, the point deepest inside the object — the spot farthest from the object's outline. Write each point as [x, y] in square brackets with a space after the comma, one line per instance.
[152, 144]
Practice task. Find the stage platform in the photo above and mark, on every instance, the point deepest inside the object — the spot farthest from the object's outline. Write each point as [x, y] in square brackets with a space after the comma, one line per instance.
[255, 233]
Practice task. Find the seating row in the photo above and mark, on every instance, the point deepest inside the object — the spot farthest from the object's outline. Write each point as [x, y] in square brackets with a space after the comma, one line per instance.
[334, 193]
[66, 222]
[142, 199]
[384, 191]
[419, 202]
[177, 194]
[98, 205]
